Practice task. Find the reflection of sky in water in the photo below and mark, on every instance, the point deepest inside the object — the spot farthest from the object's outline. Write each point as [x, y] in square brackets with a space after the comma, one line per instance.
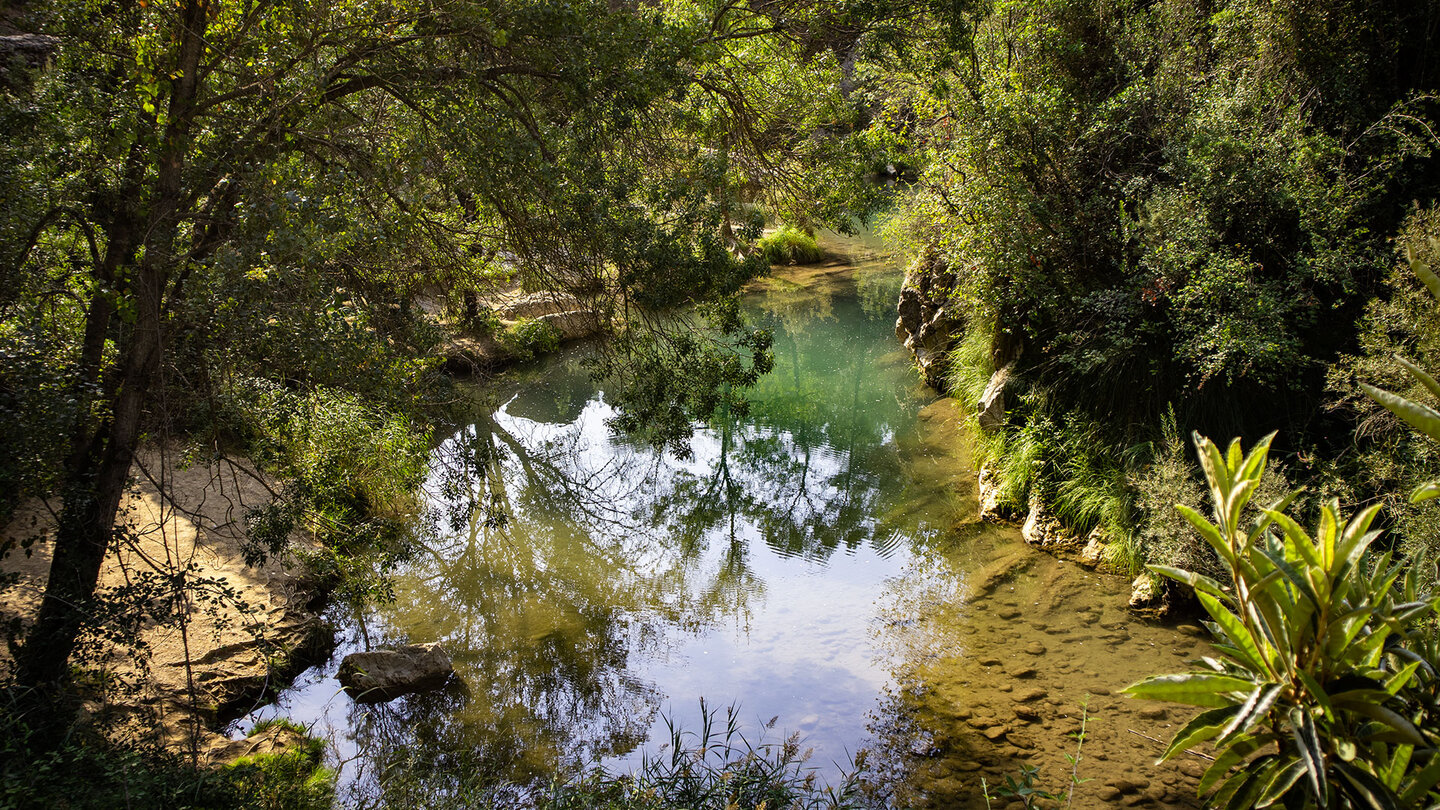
[624, 585]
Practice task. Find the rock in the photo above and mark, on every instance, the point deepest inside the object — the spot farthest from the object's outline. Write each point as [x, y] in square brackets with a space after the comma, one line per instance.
[1192, 630]
[1147, 593]
[275, 739]
[380, 675]
[1035, 648]
[536, 305]
[990, 410]
[1096, 549]
[995, 732]
[1107, 794]
[1030, 695]
[1043, 530]
[923, 322]
[1152, 713]
[574, 324]
[1021, 671]
[987, 487]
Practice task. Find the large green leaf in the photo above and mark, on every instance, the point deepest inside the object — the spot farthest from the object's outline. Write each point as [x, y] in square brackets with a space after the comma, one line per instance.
[1237, 634]
[1193, 688]
[1422, 418]
[1251, 712]
[1203, 726]
[1307, 743]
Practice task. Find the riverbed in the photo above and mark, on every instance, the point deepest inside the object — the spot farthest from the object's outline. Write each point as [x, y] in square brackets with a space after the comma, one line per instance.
[814, 565]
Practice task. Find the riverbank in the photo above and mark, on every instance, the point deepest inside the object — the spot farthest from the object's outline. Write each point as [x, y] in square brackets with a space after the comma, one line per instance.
[239, 633]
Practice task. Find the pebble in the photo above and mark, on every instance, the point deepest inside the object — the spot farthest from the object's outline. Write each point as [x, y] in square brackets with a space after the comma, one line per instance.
[1035, 648]
[1031, 695]
[989, 662]
[1191, 630]
[1027, 713]
[995, 732]
[1152, 713]
[1022, 672]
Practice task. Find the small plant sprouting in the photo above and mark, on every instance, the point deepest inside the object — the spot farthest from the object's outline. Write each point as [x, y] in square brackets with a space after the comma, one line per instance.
[1024, 788]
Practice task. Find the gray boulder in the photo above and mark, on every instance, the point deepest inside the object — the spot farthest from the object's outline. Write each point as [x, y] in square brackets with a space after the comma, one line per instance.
[380, 675]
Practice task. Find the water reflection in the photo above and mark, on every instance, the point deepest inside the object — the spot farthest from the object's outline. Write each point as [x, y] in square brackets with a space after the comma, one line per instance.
[585, 584]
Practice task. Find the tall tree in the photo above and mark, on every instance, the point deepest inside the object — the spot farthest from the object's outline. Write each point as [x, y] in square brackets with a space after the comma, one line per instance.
[600, 147]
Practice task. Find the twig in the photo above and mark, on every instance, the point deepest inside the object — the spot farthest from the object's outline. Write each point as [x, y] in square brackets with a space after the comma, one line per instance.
[1162, 742]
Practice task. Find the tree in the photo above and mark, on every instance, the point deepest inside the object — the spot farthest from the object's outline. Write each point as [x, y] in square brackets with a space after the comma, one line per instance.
[175, 153]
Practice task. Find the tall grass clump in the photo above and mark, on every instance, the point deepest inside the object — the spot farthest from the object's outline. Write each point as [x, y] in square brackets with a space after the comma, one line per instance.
[969, 366]
[790, 245]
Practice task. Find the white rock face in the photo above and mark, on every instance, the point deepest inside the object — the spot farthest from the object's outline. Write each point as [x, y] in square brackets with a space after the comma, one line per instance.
[380, 675]
[990, 410]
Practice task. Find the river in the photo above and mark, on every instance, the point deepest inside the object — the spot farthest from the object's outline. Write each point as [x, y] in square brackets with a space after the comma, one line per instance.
[814, 564]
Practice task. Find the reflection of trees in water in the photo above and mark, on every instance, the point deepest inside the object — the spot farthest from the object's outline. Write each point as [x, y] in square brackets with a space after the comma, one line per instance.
[572, 555]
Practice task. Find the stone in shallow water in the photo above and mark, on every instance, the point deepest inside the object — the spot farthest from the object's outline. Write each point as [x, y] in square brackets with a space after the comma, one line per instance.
[1030, 695]
[380, 675]
[1035, 648]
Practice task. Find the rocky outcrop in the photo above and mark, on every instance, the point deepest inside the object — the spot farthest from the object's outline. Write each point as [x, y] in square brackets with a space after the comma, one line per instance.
[926, 323]
[380, 675]
[1044, 530]
[990, 410]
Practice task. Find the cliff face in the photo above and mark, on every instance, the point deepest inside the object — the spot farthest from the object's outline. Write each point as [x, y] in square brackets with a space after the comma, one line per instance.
[928, 324]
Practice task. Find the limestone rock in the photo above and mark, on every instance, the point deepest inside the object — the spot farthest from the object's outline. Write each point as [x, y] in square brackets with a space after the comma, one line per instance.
[573, 324]
[923, 323]
[1043, 530]
[380, 675]
[988, 488]
[1094, 554]
[990, 410]
[1146, 593]
[537, 305]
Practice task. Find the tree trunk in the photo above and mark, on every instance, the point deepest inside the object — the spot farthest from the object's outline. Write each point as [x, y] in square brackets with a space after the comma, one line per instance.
[100, 466]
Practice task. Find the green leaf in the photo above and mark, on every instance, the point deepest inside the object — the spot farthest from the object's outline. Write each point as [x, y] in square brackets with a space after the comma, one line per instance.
[1425, 492]
[1307, 743]
[1193, 688]
[1254, 710]
[1236, 633]
[1203, 726]
[1425, 274]
[1197, 582]
[1420, 374]
[1420, 783]
[1422, 418]
[1238, 751]
[1366, 787]
[1281, 783]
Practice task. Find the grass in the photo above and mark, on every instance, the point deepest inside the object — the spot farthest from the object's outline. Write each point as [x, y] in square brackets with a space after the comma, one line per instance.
[716, 768]
[790, 245]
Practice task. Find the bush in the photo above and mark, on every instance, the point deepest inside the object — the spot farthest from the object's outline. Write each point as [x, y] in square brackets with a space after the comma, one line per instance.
[1325, 694]
[529, 337]
[790, 246]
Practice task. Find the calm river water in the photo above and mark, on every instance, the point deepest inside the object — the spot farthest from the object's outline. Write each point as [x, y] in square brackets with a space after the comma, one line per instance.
[815, 564]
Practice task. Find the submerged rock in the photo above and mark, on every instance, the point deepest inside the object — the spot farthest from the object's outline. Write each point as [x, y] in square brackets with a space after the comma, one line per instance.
[380, 675]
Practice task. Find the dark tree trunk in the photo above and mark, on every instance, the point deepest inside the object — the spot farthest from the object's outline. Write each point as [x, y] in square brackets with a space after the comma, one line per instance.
[99, 466]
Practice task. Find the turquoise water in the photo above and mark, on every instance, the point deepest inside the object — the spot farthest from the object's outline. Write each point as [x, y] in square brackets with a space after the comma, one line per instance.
[814, 564]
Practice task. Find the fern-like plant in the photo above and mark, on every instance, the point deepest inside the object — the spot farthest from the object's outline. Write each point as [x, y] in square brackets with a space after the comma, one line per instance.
[1319, 697]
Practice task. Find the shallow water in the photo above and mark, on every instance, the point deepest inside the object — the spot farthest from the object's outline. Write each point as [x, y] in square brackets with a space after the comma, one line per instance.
[815, 563]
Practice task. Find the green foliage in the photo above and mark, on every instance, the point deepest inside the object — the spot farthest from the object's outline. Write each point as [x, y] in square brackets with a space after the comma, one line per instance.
[790, 245]
[351, 472]
[88, 771]
[290, 780]
[529, 337]
[1170, 204]
[1325, 695]
[1400, 336]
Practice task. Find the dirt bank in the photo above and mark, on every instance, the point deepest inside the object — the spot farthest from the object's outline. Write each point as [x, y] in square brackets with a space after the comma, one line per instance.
[237, 632]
